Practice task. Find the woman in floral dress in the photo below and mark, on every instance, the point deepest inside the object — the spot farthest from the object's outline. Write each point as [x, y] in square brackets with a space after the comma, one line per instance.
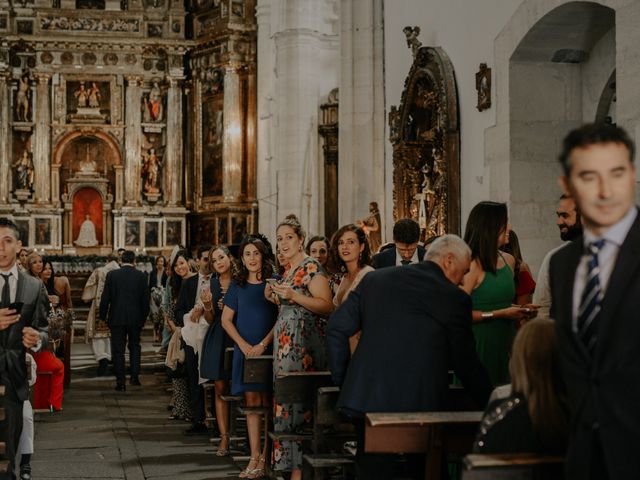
[304, 297]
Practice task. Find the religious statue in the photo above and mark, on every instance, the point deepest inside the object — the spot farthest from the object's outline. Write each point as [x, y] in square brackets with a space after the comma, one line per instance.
[24, 171]
[371, 227]
[82, 95]
[436, 199]
[88, 165]
[94, 96]
[22, 98]
[153, 109]
[150, 171]
[412, 39]
[87, 236]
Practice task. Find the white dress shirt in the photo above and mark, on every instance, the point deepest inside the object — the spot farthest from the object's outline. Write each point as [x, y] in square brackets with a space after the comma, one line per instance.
[607, 256]
[13, 281]
[414, 259]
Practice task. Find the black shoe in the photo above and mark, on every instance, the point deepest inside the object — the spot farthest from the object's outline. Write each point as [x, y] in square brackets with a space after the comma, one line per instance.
[25, 471]
[197, 429]
[135, 381]
[103, 366]
[120, 387]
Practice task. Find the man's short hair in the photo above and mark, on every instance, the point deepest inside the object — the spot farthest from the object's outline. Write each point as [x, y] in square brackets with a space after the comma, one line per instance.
[5, 222]
[203, 249]
[121, 251]
[445, 244]
[593, 134]
[128, 256]
[407, 231]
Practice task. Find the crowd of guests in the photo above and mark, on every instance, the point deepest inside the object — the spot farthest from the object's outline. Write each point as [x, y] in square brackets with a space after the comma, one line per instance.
[551, 361]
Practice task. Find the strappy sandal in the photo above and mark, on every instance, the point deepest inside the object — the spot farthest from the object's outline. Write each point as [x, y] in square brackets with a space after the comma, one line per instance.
[257, 472]
[223, 452]
[248, 471]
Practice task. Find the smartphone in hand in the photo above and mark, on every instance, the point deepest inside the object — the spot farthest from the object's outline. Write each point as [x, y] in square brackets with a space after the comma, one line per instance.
[17, 306]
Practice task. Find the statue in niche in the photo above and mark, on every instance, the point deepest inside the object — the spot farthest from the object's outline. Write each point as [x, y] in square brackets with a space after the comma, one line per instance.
[88, 165]
[22, 98]
[371, 227]
[94, 96]
[82, 95]
[151, 171]
[423, 113]
[87, 235]
[24, 171]
[412, 39]
[432, 207]
[153, 109]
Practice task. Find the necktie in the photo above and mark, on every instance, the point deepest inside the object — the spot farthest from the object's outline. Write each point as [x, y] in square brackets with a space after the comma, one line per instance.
[6, 291]
[405, 262]
[591, 300]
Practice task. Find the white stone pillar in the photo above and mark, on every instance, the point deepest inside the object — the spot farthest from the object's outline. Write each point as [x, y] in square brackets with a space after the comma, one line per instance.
[173, 161]
[42, 144]
[5, 161]
[361, 116]
[232, 142]
[133, 141]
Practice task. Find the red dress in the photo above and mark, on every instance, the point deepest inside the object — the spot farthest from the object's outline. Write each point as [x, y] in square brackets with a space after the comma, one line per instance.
[47, 392]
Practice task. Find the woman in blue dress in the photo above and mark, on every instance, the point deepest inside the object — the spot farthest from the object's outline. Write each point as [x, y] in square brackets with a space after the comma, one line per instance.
[249, 318]
[222, 265]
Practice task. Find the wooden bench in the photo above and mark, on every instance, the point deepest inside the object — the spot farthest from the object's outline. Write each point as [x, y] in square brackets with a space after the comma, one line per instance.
[513, 466]
[432, 433]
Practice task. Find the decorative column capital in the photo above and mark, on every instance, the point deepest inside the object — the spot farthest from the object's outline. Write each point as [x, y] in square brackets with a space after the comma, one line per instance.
[174, 82]
[133, 80]
[4, 76]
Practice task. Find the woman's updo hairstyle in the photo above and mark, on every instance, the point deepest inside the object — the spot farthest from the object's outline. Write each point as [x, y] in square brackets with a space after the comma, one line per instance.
[292, 221]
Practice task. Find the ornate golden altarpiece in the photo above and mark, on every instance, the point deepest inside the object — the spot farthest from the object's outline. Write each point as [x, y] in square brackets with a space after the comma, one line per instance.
[425, 134]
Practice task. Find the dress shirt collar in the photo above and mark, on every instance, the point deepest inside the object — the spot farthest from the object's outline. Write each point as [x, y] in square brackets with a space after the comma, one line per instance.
[615, 234]
[414, 259]
[13, 271]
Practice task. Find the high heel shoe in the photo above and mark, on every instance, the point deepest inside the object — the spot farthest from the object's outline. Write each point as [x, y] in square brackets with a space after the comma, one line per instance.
[248, 471]
[223, 452]
[257, 472]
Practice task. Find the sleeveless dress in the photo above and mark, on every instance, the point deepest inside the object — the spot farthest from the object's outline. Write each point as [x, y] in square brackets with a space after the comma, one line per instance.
[300, 347]
[494, 336]
[215, 340]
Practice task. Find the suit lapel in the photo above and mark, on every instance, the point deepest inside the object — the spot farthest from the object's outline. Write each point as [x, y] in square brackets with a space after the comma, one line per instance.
[626, 265]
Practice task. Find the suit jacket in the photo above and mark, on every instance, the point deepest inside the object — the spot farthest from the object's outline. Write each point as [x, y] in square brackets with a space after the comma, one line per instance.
[13, 371]
[388, 257]
[125, 298]
[415, 325]
[604, 393]
[186, 298]
[153, 279]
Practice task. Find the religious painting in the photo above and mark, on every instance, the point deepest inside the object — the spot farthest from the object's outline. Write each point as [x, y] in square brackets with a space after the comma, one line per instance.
[212, 139]
[88, 98]
[43, 231]
[223, 230]
[132, 233]
[151, 234]
[87, 155]
[87, 218]
[483, 87]
[173, 234]
[23, 231]
[238, 229]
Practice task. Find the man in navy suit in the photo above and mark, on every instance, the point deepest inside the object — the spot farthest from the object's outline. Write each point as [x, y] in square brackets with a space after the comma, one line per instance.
[416, 324]
[405, 251]
[595, 286]
[19, 331]
[125, 306]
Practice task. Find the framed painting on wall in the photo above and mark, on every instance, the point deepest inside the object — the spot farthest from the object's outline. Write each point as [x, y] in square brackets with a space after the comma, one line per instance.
[132, 233]
[23, 229]
[173, 233]
[151, 234]
[43, 231]
[212, 139]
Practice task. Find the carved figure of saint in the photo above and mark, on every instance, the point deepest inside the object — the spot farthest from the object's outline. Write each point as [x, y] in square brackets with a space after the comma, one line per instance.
[22, 99]
[155, 103]
[371, 227]
[94, 96]
[412, 39]
[87, 236]
[150, 171]
[82, 95]
[24, 171]
[88, 165]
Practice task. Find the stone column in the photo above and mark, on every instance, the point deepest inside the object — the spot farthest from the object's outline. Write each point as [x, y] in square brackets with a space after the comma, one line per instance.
[119, 186]
[251, 147]
[5, 161]
[232, 142]
[132, 141]
[42, 144]
[173, 164]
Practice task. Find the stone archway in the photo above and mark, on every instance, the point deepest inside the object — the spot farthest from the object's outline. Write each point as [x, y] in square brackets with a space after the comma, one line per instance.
[553, 61]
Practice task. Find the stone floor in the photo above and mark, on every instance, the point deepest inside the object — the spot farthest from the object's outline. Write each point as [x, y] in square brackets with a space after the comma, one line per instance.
[103, 434]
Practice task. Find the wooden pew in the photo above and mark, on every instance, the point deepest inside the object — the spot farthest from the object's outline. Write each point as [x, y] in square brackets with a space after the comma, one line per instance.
[4, 464]
[232, 401]
[513, 466]
[432, 433]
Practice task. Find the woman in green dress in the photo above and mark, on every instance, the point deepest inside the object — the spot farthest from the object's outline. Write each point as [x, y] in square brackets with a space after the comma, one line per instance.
[491, 285]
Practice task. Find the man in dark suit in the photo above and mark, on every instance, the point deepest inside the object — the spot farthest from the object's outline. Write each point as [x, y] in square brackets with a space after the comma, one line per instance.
[189, 295]
[406, 233]
[595, 286]
[415, 324]
[19, 330]
[125, 306]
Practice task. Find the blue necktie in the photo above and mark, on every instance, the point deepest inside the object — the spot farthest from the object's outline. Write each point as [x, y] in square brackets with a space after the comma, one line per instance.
[591, 301]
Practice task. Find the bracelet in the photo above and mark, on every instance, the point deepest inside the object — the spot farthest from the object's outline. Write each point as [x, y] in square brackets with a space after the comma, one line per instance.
[487, 315]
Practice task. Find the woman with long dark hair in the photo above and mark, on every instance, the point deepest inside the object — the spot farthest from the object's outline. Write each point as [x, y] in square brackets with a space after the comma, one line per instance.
[525, 284]
[318, 249]
[490, 282]
[533, 417]
[249, 318]
[157, 283]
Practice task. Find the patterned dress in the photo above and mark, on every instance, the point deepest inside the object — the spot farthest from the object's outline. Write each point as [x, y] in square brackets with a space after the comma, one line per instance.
[299, 346]
[180, 397]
